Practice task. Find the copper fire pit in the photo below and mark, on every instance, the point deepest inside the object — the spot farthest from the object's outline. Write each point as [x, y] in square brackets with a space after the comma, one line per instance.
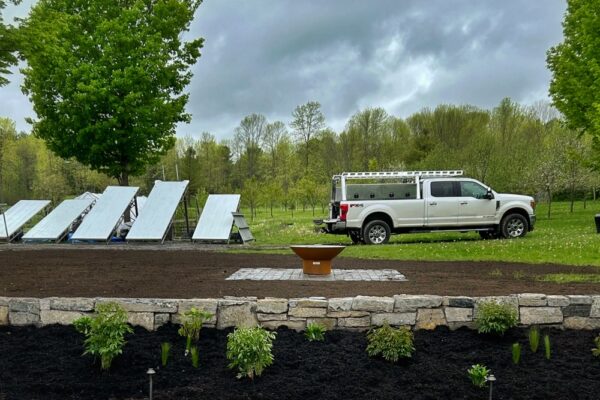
[316, 258]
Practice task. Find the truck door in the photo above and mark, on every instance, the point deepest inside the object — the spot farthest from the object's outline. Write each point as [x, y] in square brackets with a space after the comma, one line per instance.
[442, 203]
[474, 208]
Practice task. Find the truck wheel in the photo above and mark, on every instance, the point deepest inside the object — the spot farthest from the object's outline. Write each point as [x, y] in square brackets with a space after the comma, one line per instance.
[376, 232]
[514, 226]
[355, 237]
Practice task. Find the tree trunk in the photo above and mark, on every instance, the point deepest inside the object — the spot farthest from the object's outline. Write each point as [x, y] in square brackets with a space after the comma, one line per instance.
[572, 195]
[549, 202]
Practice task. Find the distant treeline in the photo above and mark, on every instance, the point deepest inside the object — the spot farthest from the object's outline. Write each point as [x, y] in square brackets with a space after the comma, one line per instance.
[511, 147]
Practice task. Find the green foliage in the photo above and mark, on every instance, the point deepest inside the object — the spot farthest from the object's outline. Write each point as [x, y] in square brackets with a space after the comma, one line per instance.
[105, 333]
[315, 332]
[516, 353]
[195, 356]
[250, 350]
[534, 338]
[494, 317]
[596, 350]
[165, 349]
[547, 348]
[390, 343]
[106, 79]
[191, 323]
[575, 87]
[478, 374]
[10, 44]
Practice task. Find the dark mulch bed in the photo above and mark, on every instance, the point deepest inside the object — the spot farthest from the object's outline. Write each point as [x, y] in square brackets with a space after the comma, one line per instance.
[173, 273]
[46, 363]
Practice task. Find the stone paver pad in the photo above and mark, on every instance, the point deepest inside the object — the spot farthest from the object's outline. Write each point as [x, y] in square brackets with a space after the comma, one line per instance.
[287, 274]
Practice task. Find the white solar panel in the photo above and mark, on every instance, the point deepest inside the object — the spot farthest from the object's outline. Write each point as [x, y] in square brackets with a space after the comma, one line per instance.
[18, 215]
[56, 224]
[157, 212]
[216, 220]
[102, 221]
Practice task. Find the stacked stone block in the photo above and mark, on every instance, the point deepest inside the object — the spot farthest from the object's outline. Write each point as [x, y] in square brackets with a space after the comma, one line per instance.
[356, 313]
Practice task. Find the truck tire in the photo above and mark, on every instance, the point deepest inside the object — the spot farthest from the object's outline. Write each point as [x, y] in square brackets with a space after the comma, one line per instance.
[513, 226]
[376, 232]
[355, 237]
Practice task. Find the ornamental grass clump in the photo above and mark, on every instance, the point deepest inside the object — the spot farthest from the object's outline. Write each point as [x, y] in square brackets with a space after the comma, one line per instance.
[165, 349]
[534, 339]
[315, 332]
[105, 333]
[495, 318]
[250, 350]
[391, 343]
[516, 353]
[596, 350]
[191, 323]
[478, 374]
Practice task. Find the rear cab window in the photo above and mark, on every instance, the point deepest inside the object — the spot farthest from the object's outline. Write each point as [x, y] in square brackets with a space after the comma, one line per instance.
[443, 189]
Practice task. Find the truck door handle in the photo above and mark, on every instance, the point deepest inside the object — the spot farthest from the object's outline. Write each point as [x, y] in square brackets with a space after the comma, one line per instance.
[464, 202]
[433, 204]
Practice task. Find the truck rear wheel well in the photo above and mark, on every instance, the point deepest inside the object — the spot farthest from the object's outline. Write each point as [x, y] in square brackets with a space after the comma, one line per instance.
[380, 216]
[520, 211]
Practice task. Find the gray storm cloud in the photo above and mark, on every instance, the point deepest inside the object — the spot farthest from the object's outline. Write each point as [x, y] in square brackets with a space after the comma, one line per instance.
[268, 56]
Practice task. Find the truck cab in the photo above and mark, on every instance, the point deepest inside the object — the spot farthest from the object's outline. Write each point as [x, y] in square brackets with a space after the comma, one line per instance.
[371, 206]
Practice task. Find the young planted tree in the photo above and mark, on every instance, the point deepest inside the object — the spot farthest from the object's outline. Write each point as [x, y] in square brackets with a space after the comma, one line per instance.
[107, 78]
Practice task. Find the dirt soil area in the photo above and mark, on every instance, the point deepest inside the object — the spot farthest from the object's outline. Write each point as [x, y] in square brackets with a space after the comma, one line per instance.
[124, 272]
[47, 364]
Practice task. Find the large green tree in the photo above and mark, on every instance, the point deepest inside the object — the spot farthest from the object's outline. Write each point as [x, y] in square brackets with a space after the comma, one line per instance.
[575, 65]
[8, 44]
[107, 78]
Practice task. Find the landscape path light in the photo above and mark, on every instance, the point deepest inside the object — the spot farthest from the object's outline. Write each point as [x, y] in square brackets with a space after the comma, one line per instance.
[150, 372]
[491, 379]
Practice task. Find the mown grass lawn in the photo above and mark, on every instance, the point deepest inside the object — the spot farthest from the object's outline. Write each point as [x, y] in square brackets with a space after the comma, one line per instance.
[565, 238]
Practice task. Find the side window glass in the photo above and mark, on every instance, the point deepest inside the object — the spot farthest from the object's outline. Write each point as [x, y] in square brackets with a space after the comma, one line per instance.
[442, 189]
[472, 189]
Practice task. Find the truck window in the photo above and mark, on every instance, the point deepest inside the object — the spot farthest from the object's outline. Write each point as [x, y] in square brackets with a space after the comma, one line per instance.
[472, 189]
[442, 189]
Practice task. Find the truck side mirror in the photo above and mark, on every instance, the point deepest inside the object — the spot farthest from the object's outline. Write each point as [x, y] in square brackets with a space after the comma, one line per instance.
[489, 195]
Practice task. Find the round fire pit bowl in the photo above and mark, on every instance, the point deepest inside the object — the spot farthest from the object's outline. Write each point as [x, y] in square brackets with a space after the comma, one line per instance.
[316, 258]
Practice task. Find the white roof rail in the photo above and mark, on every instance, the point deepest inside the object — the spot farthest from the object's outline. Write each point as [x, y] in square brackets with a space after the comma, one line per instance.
[402, 174]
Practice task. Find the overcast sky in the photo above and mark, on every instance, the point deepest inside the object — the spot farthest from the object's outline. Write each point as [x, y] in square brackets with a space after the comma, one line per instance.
[268, 56]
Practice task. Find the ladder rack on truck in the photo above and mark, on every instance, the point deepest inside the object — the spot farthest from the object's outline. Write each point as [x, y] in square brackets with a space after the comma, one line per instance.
[401, 174]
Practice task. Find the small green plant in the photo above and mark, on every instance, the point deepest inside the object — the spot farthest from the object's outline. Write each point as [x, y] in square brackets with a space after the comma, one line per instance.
[596, 350]
[496, 273]
[315, 332]
[105, 333]
[195, 356]
[494, 317]
[390, 343]
[165, 349]
[478, 374]
[191, 324]
[516, 353]
[519, 275]
[534, 339]
[250, 350]
[547, 349]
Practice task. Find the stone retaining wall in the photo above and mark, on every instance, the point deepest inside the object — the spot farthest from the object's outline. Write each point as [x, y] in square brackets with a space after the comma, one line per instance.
[360, 312]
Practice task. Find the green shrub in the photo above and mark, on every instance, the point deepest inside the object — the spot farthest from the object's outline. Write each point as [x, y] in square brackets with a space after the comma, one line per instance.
[390, 343]
[496, 318]
[250, 350]
[191, 324]
[534, 339]
[315, 332]
[478, 374]
[195, 356]
[596, 350]
[165, 349]
[547, 349]
[105, 333]
[516, 353]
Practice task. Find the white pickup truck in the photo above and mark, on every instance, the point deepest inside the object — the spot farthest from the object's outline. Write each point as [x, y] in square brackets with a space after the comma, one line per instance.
[370, 206]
